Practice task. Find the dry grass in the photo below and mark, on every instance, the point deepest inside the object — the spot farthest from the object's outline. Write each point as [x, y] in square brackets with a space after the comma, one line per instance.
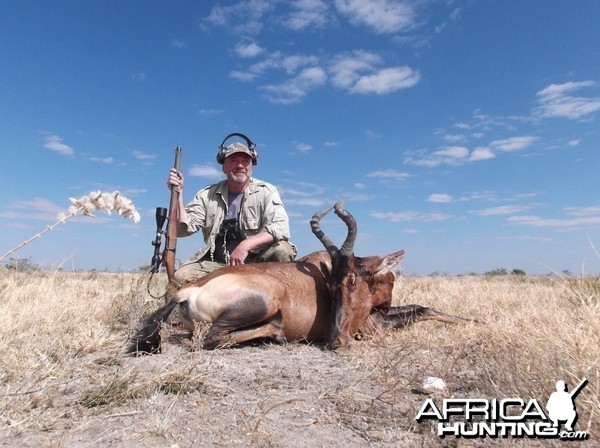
[64, 381]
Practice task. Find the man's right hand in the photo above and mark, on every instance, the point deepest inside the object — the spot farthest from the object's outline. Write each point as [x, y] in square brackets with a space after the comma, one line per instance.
[175, 180]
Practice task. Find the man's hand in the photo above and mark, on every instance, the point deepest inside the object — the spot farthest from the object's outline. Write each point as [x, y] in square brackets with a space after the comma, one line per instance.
[175, 180]
[239, 254]
[258, 241]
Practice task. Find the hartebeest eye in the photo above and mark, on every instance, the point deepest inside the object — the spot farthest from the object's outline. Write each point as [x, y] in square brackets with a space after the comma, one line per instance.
[352, 278]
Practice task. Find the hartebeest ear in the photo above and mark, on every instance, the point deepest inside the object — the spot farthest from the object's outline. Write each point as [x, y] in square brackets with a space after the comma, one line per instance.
[389, 262]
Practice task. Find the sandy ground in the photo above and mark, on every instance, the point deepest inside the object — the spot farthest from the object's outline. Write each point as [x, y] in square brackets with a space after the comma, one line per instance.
[260, 395]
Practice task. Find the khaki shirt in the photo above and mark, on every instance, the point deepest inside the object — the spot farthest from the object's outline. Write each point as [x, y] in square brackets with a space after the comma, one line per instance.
[261, 209]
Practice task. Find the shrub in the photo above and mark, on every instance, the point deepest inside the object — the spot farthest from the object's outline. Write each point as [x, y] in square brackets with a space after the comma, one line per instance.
[21, 265]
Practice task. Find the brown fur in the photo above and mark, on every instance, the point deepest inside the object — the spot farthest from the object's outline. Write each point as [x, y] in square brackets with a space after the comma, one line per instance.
[325, 296]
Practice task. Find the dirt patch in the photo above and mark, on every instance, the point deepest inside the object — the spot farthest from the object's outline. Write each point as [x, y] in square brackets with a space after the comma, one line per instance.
[260, 395]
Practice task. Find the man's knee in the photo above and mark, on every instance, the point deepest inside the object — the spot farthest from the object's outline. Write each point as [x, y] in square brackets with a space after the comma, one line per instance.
[183, 276]
[192, 271]
[281, 251]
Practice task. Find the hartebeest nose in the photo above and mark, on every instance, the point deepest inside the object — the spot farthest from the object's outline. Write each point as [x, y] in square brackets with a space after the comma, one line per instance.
[340, 340]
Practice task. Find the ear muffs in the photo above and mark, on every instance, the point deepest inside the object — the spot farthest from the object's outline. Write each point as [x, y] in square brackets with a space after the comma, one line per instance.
[249, 143]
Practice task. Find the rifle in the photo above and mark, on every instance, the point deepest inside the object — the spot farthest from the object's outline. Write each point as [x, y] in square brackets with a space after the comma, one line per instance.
[578, 388]
[167, 257]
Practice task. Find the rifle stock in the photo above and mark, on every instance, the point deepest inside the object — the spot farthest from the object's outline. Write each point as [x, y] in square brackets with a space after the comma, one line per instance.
[171, 235]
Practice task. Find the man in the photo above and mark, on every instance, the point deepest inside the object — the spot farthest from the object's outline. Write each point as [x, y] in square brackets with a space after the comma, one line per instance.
[242, 219]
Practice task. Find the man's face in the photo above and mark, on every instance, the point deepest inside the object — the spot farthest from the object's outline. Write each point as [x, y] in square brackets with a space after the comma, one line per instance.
[238, 167]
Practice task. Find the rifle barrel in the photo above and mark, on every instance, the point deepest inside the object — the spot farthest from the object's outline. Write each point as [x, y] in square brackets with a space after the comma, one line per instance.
[172, 222]
[578, 388]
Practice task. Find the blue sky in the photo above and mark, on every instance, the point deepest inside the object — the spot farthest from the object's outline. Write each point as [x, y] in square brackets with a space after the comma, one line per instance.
[465, 132]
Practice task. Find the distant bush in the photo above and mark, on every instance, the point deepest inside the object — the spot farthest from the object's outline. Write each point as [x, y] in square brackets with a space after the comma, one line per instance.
[21, 265]
[497, 271]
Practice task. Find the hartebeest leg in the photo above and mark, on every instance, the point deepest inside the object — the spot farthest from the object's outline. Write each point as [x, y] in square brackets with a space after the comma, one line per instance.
[401, 316]
[244, 323]
[147, 338]
[409, 314]
[218, 337]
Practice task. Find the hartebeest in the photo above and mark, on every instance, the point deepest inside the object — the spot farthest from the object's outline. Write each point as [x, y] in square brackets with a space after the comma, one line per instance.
[325, 296]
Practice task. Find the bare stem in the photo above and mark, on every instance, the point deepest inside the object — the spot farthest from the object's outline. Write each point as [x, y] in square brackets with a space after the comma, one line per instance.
[43, 232]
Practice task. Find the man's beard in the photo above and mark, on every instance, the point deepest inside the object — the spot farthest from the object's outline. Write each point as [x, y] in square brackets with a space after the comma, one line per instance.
[239, 178]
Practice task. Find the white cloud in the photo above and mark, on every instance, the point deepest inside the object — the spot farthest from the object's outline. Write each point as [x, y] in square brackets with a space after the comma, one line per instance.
[358, 72]
[310, 202]
[358, 197]
[178, 43]
[574, 142]
[316, 189]
[346, 68]
[454, 15]
[556, 223]
[243, 75]
[454, 138]
[292, 63]
[513, 143]
[295, 89]
[294, 192]
[382, 16]
[371, 134]
[38, 208]
[304, 147]
[501, 210]
[411, 216]
[206, 171]
[440, 198]
[143, 156]
[480, 196]
[243, 17]
[560, 90]
[583, 211]
[210, 111]
[102, 160]
[248, 49]
[275, 61]
[306, 13]
[556, 101]
[389, 174]
[458, 155]
[139, 76]
[451, 155]
[218, 16]
[247, 17]
[481, 153]
[464, 126]
[454, 152]
[387, 80]
[54, 142]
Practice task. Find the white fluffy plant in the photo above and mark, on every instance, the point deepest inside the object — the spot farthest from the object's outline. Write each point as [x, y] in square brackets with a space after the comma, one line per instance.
[95, 200]
[107, 202]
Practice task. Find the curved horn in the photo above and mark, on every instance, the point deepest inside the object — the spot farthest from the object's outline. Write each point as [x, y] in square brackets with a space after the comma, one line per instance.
[348, 246]
[315, 224]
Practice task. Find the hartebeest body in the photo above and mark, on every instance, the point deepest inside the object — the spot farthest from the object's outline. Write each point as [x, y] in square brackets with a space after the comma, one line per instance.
[325, 296]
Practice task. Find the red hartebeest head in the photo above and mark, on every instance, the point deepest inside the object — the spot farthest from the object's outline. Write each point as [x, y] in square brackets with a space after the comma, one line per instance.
[356, 285]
